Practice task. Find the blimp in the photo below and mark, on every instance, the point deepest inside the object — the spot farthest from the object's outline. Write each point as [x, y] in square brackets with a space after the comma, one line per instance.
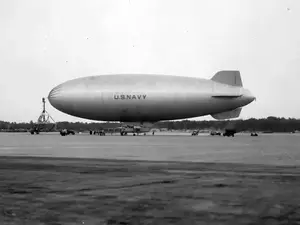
[142, 99]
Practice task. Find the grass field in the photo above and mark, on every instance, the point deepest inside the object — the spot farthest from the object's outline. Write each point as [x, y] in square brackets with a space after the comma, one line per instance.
[244, 180]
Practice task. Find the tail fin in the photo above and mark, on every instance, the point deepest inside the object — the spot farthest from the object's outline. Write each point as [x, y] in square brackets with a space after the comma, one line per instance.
[232, 78]
[228, 115]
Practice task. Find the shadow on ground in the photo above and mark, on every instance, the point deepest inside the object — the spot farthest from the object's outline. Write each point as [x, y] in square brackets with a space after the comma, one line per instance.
[84, 191]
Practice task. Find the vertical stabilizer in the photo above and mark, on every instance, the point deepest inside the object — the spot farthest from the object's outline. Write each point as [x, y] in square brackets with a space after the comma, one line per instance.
[228, 115]
[232, 78]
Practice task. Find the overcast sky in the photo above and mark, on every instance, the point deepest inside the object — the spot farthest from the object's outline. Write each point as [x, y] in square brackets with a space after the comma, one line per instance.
[45, 43]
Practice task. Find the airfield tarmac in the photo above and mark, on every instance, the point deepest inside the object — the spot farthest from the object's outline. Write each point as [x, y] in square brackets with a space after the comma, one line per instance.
[274, 149]
[161, 179]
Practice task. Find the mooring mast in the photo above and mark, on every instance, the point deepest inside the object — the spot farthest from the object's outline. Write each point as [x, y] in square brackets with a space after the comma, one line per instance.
[43, 120]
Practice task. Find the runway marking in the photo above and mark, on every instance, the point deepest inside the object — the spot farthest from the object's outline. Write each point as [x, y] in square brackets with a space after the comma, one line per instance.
[9, 148]
[24, 154]
[254, 173]
[24, 147]
[84, 147]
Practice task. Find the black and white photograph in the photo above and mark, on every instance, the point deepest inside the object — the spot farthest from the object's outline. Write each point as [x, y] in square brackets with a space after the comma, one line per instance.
[139, 112]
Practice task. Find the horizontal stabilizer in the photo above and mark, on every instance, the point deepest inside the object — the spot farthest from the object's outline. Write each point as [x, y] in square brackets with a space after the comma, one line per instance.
[227, 115]
[232, 78]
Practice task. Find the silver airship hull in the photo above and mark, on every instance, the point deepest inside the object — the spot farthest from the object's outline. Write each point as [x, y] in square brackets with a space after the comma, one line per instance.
[145, 98]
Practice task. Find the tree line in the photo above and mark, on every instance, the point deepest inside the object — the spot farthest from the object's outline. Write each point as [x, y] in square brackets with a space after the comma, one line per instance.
[269, 124]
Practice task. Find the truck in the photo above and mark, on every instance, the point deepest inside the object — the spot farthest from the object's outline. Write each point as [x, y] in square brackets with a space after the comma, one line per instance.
[229, 132]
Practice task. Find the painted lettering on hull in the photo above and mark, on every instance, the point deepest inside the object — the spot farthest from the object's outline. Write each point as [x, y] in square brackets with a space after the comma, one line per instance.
[129, 97]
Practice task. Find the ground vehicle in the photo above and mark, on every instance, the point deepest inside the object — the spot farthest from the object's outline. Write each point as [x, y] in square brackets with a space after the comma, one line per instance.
[195, 132]
[215, 133]
[65, 132]
[99, 132]
[229, 132]
[35, 129]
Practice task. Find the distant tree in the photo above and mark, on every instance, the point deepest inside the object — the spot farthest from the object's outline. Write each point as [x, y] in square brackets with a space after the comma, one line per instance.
[270, 123]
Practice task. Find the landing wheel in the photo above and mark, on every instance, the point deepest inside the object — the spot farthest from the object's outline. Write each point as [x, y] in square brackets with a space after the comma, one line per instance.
[144, 133]
[133, 134]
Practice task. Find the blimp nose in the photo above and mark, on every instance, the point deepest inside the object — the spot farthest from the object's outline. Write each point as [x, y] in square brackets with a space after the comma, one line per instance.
[55, 95]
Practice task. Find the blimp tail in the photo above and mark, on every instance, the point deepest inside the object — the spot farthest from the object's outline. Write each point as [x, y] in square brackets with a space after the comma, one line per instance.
[227, 115]
[232, 78]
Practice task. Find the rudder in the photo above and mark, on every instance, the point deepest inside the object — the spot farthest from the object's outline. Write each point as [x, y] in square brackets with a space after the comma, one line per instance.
[232, 78]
